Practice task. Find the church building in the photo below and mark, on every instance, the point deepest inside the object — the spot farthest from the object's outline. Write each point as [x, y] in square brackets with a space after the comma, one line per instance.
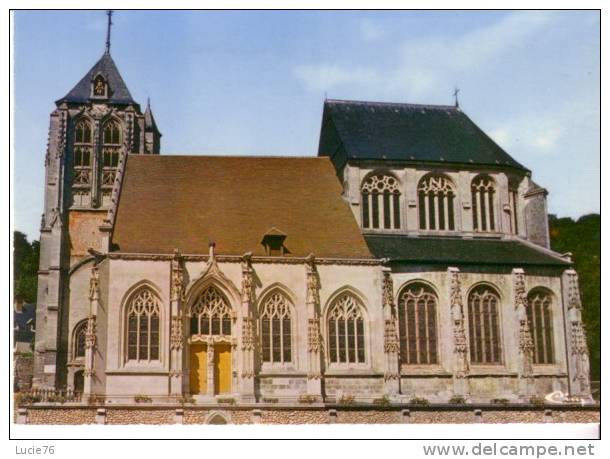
[409, 259]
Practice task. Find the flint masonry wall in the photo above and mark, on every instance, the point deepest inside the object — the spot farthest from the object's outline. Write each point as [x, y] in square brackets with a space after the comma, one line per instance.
[50, 415]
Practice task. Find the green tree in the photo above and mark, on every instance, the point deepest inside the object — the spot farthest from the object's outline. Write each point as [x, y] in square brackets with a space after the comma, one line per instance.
[583, 239]
[25, 266]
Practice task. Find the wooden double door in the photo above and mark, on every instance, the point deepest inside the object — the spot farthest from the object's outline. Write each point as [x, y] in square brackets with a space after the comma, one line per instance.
[200, 368]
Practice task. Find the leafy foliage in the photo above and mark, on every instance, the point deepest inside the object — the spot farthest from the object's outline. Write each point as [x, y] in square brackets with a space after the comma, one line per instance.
[25, 259]
[583, 239]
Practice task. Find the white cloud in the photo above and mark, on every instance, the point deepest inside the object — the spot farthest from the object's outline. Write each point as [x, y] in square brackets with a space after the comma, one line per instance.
[424, 65]
[320, 77]
[446, 60]
[369, 31]
[547, 130]
[428, 67]
[540, 133]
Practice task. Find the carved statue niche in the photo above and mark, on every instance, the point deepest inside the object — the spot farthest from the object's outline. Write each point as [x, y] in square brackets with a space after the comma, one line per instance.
[177, 296]
[457, 316]
[526, 344]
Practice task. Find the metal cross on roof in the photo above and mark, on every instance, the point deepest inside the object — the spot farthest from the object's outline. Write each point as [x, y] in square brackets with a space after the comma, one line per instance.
[109, 13]
[455, 95]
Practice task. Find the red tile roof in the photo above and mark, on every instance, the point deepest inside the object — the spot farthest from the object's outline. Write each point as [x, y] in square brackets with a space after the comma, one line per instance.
[186, 202]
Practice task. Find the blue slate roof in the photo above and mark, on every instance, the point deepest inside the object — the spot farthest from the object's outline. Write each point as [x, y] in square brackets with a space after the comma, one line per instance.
[444, 250]
[437, 134]
[24, 322]
[118, 92]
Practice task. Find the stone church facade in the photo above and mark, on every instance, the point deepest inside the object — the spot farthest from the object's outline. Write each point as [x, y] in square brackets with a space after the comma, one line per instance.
[409, 259]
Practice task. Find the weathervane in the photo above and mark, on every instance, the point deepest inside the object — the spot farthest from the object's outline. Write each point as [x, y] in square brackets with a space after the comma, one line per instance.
[109, 13]
[455, 95]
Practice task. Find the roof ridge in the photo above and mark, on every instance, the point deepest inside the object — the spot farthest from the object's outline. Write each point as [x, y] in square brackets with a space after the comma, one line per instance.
[400, 104]
[539, 248]
[166, 155]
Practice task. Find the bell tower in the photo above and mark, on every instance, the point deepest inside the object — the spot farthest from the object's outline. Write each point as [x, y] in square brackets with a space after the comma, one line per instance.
[92, 130]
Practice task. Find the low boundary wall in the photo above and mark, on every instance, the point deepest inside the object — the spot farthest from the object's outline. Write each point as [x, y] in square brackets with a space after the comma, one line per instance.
[322, 414]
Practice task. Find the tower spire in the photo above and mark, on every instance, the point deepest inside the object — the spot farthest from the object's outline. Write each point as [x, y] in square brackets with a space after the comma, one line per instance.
[109, 13]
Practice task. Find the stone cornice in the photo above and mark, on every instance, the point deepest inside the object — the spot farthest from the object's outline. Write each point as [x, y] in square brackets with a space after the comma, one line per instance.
[238, 259]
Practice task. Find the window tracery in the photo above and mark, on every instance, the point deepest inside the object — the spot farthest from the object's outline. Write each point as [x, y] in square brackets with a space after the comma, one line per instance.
[540, 318]
[436, 203]
[381, 202]
[82, 153]
[111, 149]
[483, 190]
[484, 326]
[79, 340]
[346, 340]
[276, 331]
[211, 314]
[143, 326]
[417, 325]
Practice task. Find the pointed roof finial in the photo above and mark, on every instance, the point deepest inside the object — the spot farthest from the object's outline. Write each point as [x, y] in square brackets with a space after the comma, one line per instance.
[109, 13]
[456, 91]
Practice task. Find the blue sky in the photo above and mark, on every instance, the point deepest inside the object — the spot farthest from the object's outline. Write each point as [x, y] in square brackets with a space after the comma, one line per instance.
[253, 83]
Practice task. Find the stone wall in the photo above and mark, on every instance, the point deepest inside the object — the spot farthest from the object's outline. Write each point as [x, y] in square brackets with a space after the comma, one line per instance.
[294, 417]
[353, 386]
[54, 414]
[61, 415]
[140, 416]
[84, 231]
[24, 370]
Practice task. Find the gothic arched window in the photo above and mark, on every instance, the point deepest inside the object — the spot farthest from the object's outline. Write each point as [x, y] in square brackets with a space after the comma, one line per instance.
[82, 153]
[381, 202]
[540, 318]
[483, 210]
[112, 133]
[484, 325]
[436, 203]
[211, 314]
[82, 132]
[111, 148]
[143, 326]
[276, 329]
[417, 325]
[79, 340]
[346, 339]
